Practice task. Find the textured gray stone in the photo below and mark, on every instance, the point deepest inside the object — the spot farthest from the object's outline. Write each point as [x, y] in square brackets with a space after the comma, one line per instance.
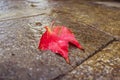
[106, 19]
[20, 42]
[102, 66]
[20, 33]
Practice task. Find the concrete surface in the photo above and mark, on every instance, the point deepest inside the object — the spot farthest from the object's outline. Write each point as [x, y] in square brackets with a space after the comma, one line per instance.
[95, 26]
[102, 66]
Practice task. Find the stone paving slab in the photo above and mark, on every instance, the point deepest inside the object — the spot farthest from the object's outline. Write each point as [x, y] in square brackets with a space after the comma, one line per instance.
[18, 46]
[11, 9]
[105, 65]
[19, 36]
[102, 17]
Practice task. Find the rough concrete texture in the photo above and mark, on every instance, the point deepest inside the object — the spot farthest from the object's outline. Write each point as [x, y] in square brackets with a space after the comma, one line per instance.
[105, 65]
[19, 42]
[21, 26]
[11, 9]
[100, 16]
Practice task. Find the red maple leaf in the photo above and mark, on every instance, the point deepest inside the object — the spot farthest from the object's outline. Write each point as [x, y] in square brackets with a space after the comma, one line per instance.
[57, 40]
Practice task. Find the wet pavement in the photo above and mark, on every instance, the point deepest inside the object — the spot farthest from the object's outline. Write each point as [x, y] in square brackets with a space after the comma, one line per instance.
[102, 66]
[95, 25]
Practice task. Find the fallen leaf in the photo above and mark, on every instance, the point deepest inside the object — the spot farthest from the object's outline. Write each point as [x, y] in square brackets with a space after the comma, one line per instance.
[57, 40]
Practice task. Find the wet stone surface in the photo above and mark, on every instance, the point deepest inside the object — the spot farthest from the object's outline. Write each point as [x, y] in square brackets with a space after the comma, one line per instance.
[19, 46]
[11, 9]
[102, 66]
[20, 41]
[103, 17]
[21, 26]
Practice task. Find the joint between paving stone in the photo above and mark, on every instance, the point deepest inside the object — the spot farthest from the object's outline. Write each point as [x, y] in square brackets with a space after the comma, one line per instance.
[22, 17]
[98, 50]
